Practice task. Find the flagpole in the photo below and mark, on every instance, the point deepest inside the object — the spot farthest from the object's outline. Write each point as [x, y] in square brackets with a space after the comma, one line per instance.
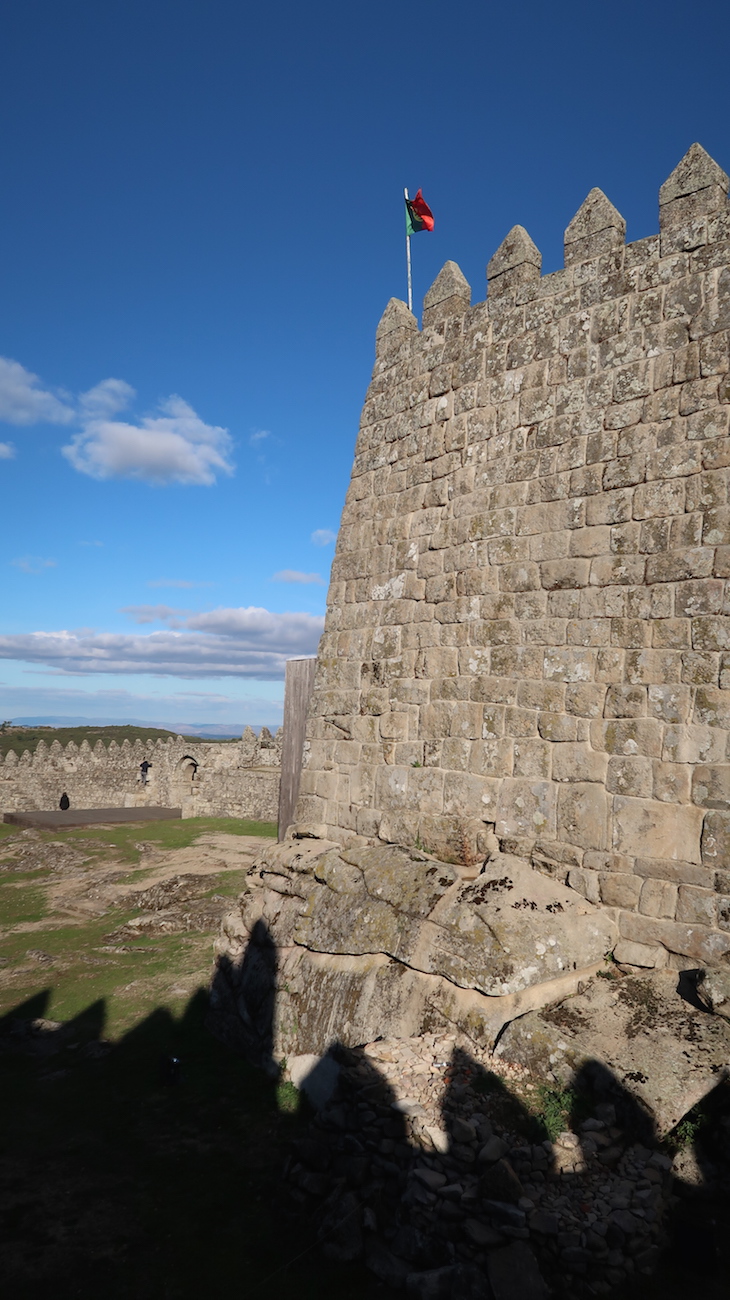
[408, 261]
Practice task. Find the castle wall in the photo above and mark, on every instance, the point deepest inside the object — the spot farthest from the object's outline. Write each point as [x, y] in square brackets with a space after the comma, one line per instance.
[527, 631]
[239, 779]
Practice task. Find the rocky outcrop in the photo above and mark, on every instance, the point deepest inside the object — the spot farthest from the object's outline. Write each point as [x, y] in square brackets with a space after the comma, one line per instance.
[369, 940]
[638, 1030]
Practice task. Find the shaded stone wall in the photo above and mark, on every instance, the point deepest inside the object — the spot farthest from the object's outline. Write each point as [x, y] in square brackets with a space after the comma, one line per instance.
[239, 779]
[527, 632]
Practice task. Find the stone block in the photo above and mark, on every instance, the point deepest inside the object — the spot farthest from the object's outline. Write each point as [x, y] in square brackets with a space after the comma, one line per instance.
[394, 726]
[583, 815]
[564, 573]
[619, 890]
[716, 839]
[585, 883]
[628, 736]
[671, 782]
[532, 758]
[678, 873]
[696, 906]
[449, 295]
[557, 727]
[658, 898]
[648, 828]
[625, 701]
[526, 808]
[578, 762]
[711, 786]
[702, 945]
[670, 703]
[516, 261]
[694, 743]
[466, 795]
[630, 776]
[712, 707]
[650, 956]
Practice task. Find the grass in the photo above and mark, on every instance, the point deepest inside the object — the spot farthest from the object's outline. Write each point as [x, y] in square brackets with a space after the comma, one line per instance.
[554, 1109]
[114, 1183]
[178, 833]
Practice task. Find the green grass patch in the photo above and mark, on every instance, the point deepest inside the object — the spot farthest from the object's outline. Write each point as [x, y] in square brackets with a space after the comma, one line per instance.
[20, 905]
[177, 833]
[554, 1109]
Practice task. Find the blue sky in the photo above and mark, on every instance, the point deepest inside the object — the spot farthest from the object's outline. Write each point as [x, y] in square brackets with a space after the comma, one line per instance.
[201, 225]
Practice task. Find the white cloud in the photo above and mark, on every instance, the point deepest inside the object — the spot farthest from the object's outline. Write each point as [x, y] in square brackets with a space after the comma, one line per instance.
[295, 575]
[259, 436]
[323, 536]
[23, 401]
[106, 399]
[153, 613]
[33, 564]
[173, 447]
[246, 642]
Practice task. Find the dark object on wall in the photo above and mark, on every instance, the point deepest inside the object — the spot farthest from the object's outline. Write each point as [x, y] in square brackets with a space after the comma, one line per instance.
[144, 768]
[297, 690]
[64, 802]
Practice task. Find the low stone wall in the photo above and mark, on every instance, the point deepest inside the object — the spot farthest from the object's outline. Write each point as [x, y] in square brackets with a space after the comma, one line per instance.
[205, 780]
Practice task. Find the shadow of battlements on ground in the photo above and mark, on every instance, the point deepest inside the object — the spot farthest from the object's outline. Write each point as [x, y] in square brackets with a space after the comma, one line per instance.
[498, 1194]
[165, 1164]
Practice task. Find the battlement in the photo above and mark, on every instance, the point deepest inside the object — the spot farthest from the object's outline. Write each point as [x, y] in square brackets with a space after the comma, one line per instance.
[527, 635]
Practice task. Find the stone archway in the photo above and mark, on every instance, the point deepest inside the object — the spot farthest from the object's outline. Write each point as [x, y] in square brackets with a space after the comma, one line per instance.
[185, 779]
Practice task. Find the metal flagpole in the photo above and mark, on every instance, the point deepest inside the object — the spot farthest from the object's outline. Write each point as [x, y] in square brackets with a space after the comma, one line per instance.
[408, 262]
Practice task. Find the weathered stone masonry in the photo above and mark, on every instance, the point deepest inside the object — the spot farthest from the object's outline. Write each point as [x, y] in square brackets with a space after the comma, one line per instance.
[239, 779]
[527, 629]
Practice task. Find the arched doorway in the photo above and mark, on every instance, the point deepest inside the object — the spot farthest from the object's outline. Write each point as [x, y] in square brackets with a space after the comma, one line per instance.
[185, 780]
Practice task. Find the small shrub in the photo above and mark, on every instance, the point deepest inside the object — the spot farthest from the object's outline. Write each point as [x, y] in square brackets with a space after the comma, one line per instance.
[554, 1109]
[287, 1098]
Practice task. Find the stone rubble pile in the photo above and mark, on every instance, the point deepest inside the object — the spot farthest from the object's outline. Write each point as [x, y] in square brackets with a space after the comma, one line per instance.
[415, 1165]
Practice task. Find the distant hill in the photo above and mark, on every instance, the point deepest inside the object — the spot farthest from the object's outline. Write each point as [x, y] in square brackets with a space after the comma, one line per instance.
[24, 734]
[211, 730]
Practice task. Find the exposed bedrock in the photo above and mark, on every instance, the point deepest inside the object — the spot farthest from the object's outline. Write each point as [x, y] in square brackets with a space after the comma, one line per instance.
[641, 1032]
[355, 943]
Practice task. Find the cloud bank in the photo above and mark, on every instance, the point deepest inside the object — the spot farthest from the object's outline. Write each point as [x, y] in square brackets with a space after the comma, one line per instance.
[245, 642]
[125, 706]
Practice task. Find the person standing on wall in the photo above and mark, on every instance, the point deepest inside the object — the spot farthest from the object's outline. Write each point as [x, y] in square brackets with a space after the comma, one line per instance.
[144, 768]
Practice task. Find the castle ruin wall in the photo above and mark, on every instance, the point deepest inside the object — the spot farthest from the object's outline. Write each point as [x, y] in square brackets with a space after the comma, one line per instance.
[235, 779]
[527, 632]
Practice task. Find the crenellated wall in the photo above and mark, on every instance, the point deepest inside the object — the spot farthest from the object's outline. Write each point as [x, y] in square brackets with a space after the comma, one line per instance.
[239, 779]
[527, 632]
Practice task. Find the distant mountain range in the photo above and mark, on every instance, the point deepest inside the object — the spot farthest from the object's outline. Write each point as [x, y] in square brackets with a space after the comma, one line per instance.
[180, 728]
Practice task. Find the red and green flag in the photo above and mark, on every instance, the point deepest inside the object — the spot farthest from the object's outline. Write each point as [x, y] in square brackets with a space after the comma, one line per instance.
[418, 215]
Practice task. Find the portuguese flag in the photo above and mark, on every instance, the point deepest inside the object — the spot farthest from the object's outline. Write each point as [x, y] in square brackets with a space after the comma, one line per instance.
[418, 215]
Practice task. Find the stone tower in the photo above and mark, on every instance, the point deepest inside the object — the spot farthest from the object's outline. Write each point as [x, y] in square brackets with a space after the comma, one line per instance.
[527, 632]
